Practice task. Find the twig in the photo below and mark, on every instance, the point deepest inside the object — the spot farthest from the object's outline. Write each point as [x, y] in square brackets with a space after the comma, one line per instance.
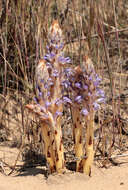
[96, 35]
[2, 163]
[116, 156]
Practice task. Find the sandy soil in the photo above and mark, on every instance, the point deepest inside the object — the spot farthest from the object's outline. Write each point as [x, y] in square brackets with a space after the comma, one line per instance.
[114, 178]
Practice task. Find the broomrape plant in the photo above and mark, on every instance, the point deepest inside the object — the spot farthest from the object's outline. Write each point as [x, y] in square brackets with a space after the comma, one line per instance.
[48, 101]
[57, 84]
[82, 84]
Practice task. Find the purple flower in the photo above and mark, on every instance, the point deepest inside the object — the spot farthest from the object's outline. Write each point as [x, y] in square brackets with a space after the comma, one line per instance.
[100, 93]
[90, 78]
[67, 100]
[68, 72]
[52, 54]
[89, 94]
[85, 87]
[42, 80]
[49, 65]
[47, 104]
[67, 60]
[36, 100]
[40, 94]
[65, 83]
[49, 56]
[97, 80]
[50, 82]
[60, 47]
[47, 47]
[78, 99]
[96, 106]
[46, 85]
[58, 101]
[55, 73]
[63, 59]
[46, 58]
[78, 85]
[58, 113]
[84, 112]
[101, 100]
[48, 93]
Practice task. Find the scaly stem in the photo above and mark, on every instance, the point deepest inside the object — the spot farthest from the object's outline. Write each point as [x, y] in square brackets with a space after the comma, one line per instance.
[58, 148]
[77, 135]
[87, 162]
[48, 145]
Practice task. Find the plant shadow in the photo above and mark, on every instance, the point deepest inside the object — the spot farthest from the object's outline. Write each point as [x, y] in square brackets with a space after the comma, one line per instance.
[34, 164]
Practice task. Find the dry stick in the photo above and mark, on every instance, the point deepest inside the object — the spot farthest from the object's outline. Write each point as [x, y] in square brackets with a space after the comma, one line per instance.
[101, 35]
[87, 162]
[20, 151]
[77, 135]
[97, 35]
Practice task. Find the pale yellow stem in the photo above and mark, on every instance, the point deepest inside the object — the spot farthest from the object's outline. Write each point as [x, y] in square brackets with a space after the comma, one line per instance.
[77, 135]
[58, 148]
[48, 145]
[87, 162]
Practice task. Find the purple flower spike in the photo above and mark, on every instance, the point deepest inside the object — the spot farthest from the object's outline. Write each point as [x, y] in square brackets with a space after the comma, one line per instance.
[84, 112]
[78, 99]
[67, 100]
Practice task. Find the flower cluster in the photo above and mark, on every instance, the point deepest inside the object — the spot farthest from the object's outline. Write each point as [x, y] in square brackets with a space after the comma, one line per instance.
[82, 84]
[54, 80]
[49, 74]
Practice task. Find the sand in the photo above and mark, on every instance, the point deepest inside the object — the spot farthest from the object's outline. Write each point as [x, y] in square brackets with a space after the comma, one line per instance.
[114, 178]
